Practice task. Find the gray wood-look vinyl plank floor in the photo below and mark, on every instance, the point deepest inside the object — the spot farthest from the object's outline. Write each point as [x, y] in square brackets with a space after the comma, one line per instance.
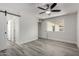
[41, 47]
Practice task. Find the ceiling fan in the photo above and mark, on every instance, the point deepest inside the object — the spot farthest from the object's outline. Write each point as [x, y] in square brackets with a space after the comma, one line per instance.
[49, 9]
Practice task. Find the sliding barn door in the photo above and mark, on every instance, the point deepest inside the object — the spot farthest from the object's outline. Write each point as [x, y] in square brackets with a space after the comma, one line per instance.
[3, 31]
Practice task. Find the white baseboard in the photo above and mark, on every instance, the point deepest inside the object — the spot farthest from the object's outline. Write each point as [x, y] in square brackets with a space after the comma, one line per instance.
[61, 40]
[28, 41]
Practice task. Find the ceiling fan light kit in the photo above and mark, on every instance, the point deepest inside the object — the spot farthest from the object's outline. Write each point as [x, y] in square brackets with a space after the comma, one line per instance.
[48, 12]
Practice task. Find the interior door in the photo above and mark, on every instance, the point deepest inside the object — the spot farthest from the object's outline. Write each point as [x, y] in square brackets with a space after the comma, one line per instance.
[3, 31]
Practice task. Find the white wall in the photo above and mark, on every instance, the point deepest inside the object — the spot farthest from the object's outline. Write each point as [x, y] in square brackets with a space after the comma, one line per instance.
[78, 28]
[69, 34]
[28, 21]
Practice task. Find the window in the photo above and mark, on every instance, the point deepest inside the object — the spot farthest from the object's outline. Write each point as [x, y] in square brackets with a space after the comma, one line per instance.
[55, 25]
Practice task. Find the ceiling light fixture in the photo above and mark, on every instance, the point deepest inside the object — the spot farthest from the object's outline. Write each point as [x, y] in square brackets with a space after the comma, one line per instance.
[48, 12]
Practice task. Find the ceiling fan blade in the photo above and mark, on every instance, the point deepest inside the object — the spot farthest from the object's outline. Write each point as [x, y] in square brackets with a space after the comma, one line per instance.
[53, 5]
[55, 10]
[41, 12]
[41, 8]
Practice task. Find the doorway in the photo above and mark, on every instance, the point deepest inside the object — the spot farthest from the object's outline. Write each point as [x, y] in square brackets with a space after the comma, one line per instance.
[12, 28]
[39, 29]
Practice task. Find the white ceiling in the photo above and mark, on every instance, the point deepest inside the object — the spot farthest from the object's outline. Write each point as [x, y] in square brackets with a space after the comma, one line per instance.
[65, 7]
[32, 8]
